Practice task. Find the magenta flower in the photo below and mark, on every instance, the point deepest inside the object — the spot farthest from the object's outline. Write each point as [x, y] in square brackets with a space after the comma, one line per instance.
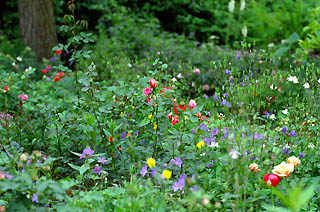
[147, 91]
[97, 169]
[23, 97]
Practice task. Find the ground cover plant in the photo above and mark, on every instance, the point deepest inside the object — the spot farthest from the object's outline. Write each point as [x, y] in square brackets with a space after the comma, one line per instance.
[178, 127]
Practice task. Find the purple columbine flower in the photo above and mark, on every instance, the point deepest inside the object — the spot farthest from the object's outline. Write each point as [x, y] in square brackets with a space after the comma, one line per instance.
[102, 160]
[284, 130]
[293, 133]
[285, 151]
[87, 152]
[179, 184]
[35, 198]
[97, 169]
[301, 155]
[238, 56]
[227, 72]
[178, 162]
[144, 170]
[214, 131]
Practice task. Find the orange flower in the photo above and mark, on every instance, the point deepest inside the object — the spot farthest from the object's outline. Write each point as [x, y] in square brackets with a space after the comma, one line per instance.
[254, 167]
[283, 170]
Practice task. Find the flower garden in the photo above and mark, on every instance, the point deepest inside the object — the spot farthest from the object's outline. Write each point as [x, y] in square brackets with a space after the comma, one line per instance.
[182, 128]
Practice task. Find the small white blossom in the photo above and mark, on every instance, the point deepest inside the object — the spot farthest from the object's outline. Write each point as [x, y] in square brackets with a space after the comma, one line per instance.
[293, 79]
[231, 6]
[214, 144]
[19, 59]
[319, 80]
[242, 5]
[311, 145]
[306, 85]
[234, 154]
[272, 117]
[179, 75]
[287, 146]
[174, 79]
[285, 111]
[13, 64]
[129, 65]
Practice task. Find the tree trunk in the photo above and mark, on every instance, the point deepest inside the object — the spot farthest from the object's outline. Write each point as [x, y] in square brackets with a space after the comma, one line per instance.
[37, 26]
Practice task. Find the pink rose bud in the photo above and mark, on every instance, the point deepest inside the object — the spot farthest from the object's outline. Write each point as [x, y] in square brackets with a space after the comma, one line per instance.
[23, 97]
[152, 83]
[147, 91]
[196, 71]
[192, 104]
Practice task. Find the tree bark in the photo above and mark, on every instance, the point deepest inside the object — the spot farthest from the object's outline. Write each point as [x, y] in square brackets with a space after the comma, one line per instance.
[37, 26]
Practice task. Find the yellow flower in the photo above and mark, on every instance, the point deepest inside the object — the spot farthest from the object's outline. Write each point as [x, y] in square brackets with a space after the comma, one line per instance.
[166, 174]
[294, 161]
[149, 116]
[132, 107]
[200, 144]
[155, 126]
[151, 162]
[283, 170]
[254, 167]
[121, 114]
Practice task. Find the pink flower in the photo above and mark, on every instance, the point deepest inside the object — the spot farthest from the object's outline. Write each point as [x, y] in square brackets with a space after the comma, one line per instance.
[23, 97]
[175, 120]
[147, 91]
[206, 87]
[192, 104]
[196, 71]
[152, 83]
[158, 53]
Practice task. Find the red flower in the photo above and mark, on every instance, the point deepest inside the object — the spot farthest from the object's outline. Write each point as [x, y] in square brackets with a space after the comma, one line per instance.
[44, 71]
[48, 68]
[58, 51]
[58, 76]
[152, 83]
[119, 148]
[6, 88]
[271, 179]
[180, 107]
[110, 139]
[175, 120]
[170, 116]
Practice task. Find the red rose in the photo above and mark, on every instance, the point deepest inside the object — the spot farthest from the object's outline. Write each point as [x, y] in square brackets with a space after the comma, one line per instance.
[58, 51]
[152, 83]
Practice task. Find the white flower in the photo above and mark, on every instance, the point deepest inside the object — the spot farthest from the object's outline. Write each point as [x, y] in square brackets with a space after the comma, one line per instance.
[174, 79]
[244, 31]
[179, 75]
[287, 146]
[272, 117]
[319, 80]
[214, 144]
[242, 5]
[234, 154]
[231, 6]
[306, 85]
[19, 59]
[293, 79]
[129, 65]
[285, 111]
[13, 64]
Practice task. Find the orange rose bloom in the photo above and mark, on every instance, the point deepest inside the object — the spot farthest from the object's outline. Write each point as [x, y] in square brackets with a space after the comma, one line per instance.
[283, 170]
[294, 161]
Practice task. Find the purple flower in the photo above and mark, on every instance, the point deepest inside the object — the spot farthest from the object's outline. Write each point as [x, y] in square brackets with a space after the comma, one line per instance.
[123, 135]
[248, 152]
[204, 127]
[179, 184]
[230, 79]
[9, 176]
[193, 131]
[225, 130]
[194, 188]
[97, 169]
[206, 96]
[172, 161]
[144, 170]
[301, 155]
[178, 162]
[87, 152]
[285, 151]
[225, 95]
[257, 136]
[238, 56]
[293, 133]
[227, 72]
[214, 132]
[53, 59]
[215, 98]
[102, 160]
[266, 113]
[252, 158]
[241, 84]
[284, 130]
[223, 102]
[153, 172]
[35, 198]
